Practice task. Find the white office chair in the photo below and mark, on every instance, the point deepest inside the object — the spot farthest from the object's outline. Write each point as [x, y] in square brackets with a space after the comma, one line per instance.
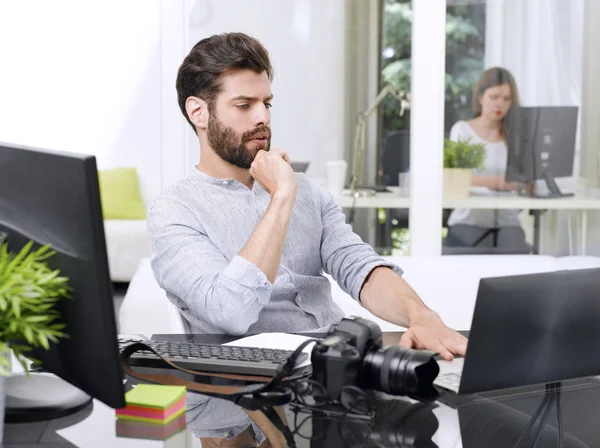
[178, 323]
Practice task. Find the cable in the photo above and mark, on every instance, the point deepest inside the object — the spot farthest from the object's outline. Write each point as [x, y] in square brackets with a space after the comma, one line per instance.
[280, 425]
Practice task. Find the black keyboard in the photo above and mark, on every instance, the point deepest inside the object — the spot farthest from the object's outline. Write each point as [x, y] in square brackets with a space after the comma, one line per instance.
[210, 357]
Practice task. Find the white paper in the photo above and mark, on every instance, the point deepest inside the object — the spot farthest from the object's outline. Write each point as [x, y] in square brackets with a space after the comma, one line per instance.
[276, 341]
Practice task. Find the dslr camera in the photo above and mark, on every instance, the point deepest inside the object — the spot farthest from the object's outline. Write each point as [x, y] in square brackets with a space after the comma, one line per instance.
[353, 354]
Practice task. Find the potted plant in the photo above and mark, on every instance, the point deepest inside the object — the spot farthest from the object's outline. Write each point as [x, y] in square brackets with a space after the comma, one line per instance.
[460, 159]
[29, 318]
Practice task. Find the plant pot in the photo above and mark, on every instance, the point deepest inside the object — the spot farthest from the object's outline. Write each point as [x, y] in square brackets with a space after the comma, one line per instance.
[7, 356]
[2, 405]
[457, 182]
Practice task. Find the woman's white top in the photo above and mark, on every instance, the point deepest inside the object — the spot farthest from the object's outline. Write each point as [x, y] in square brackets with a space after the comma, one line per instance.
[495, 164]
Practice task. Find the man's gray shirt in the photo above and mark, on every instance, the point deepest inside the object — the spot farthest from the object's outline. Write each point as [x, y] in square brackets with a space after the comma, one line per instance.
[198, 226]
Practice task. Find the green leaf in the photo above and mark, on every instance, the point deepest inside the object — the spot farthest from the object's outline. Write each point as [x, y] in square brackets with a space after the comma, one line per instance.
[43, 341]
[17, 348]
[28, 333]
[8, 285]
[48, 278]
[34, 319]
[16, 301]
[54, 337]
[19, 258]
[4, 258]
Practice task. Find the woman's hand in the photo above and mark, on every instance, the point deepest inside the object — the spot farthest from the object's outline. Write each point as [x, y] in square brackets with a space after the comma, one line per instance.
[530, 188]
[509, 186]
[497, 183]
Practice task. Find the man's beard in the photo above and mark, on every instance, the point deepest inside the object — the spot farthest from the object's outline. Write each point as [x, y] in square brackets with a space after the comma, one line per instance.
[230, 146]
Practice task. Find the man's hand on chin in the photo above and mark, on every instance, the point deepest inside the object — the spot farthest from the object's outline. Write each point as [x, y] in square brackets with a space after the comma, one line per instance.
[428, 332]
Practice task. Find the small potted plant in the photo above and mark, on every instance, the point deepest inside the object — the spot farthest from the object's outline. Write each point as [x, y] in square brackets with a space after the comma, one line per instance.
[29, 318]
[460, 159]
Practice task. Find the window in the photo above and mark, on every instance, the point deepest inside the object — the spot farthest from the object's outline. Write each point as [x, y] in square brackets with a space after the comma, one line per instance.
[465, 51]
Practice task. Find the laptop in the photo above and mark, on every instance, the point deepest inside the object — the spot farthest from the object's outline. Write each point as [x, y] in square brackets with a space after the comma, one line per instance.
[300, 167]
[529, 329]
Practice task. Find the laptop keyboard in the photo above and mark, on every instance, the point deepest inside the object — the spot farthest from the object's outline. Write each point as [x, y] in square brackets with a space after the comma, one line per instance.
[449, 380]
[210, 357]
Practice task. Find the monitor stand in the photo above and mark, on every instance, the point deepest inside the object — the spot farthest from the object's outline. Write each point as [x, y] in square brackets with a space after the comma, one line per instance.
[553, 190]
[41, 396]
[540, 416]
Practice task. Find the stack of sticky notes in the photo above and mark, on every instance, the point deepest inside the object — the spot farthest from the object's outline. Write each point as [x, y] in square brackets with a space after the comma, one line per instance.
[153, 404]
[141, 430]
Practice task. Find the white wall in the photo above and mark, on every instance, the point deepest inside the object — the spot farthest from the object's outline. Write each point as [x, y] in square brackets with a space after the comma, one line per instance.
[84, 77]
[305, 39]
[98, 78]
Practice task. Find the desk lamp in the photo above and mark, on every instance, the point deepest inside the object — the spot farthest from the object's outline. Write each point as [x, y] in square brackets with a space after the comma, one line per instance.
[358, 151]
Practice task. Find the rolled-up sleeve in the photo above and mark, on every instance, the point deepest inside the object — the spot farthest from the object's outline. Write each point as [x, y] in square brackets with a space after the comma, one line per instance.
[344, 255]
[228, 295]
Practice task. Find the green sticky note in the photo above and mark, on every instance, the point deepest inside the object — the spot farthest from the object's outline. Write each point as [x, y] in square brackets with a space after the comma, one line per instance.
[154, 395]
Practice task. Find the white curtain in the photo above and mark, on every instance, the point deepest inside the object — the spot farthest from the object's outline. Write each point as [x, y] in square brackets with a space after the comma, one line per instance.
[541, 43]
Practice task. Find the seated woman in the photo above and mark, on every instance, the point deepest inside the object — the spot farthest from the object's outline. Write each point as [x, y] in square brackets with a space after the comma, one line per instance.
[494, 95]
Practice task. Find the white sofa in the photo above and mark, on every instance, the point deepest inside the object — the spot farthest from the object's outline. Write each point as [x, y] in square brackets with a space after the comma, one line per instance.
[127, 240]
[447, 284]
[126, 246]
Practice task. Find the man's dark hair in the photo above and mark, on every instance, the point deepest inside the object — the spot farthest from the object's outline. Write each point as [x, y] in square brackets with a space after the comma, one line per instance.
[199, 73]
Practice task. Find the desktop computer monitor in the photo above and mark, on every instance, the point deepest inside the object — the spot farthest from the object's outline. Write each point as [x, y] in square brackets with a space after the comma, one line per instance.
[541, 145]
[53, 198]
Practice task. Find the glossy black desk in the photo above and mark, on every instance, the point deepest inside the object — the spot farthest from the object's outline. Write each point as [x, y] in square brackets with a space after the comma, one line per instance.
[494, 420]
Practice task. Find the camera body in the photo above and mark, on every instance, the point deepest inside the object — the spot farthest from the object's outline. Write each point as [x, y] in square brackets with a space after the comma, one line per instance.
[337, 360]
[352, 354]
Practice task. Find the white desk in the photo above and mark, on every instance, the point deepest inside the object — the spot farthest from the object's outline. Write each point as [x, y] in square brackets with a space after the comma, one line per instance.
[581, 204]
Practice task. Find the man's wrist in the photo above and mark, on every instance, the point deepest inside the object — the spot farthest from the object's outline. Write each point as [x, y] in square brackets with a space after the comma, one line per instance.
[283, 198]
[420, 314]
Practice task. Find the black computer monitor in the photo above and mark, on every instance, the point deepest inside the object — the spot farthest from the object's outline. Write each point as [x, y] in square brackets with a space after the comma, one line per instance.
[541, 145]
[53, 198]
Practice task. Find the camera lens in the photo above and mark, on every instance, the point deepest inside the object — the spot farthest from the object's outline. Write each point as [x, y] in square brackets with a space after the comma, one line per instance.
[401, 371]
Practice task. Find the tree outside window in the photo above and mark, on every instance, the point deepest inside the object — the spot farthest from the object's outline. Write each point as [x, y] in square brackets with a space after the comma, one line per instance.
[465, 50]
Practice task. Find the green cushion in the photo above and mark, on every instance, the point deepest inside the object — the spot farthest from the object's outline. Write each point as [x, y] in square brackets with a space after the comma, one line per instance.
[120, 194]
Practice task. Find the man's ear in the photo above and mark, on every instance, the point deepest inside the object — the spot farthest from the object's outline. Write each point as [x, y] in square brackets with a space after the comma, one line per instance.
[197, 110]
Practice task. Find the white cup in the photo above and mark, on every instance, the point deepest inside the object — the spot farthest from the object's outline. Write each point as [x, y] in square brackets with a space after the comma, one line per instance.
[336, 176]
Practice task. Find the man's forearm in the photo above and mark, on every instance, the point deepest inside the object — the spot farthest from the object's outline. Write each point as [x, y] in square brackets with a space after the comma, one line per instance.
[265, 245]
[388, 296]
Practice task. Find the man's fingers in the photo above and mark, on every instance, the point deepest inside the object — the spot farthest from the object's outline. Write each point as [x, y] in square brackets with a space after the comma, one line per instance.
[444, 353]
[446, 346]
[456, 343]
[406, 340]
[282, 154]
